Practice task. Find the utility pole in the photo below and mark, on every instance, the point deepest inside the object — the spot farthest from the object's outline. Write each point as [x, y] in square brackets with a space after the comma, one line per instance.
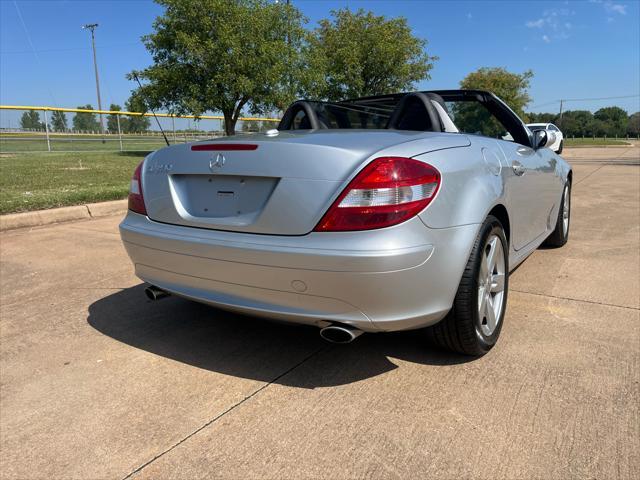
[92, 27]
[560, 119]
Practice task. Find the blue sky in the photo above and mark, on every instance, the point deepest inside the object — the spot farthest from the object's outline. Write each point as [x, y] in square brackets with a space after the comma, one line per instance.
[577, 49]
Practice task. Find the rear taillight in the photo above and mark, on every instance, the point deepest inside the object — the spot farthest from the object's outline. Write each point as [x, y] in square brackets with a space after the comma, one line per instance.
[388, 191]
[136, 198]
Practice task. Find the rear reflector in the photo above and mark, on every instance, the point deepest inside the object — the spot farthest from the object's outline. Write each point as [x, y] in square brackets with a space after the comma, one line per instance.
[388, 191]
[223, 147]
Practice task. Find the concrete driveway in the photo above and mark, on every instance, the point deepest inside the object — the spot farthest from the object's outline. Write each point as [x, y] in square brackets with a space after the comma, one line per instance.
[98, 382]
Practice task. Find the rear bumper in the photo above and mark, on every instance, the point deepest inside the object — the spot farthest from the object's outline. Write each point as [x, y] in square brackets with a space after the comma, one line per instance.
[397, 278]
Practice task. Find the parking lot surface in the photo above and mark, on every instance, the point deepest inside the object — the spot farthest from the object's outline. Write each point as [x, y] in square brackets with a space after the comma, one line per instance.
[99, 382]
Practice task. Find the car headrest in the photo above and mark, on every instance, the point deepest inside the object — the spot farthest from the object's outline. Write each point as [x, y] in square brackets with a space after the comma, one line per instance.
[415, 112]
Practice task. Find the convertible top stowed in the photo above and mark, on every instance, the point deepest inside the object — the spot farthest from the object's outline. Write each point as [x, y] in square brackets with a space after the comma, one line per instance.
[421, 111]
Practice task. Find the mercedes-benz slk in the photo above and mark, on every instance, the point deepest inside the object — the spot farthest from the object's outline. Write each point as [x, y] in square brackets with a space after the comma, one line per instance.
[376, 214]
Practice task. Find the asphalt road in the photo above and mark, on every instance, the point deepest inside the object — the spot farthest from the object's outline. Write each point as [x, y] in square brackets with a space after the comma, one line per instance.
[98, 382]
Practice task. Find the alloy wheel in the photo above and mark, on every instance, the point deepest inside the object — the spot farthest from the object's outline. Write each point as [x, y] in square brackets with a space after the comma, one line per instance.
[491, 282]
[566, 206]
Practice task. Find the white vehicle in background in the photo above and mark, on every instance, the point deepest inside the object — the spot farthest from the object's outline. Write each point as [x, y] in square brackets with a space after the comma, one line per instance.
[550, 127]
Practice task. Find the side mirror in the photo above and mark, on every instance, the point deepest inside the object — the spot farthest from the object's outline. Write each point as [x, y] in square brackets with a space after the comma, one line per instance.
[542, 138]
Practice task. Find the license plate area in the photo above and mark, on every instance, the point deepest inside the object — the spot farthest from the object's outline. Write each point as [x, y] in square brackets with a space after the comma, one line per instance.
[221, 196]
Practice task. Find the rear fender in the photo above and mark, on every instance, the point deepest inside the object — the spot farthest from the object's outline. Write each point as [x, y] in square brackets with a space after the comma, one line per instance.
[470, 187]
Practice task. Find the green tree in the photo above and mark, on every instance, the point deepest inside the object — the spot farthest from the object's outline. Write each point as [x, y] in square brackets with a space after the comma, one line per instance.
[135, 123]
[217, 55]
[633, 128]
[59, 121]
[356, 54]
[599, 128]
[615, 119]
[541, 117]
[86, 121]
[576, 123]
[112, 120]
[30, 120]
[512, 88]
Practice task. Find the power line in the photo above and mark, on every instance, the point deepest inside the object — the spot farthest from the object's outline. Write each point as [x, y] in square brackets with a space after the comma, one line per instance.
[599, 98]
[545, 104]
[584, 100]
[33, 49]
[73, 49]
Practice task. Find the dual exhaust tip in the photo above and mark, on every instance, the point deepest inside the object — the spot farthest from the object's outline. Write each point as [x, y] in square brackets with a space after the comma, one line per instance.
[340, 333]
[335, 333]
[154, 293]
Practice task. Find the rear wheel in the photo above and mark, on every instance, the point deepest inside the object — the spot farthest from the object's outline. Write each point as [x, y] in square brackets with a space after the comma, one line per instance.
[559, 151]
[561, 233]
[473, 325]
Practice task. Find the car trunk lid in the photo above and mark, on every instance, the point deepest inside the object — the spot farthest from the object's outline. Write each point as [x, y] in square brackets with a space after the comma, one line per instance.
[277, 185]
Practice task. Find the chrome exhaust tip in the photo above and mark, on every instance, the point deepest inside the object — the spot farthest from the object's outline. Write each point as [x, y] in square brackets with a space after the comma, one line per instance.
[154, 293]
[340, 333]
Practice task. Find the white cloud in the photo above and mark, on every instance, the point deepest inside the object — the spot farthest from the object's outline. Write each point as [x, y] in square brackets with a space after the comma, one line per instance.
[553, 23]
[611, 7]
[615, 8]
[535, 23]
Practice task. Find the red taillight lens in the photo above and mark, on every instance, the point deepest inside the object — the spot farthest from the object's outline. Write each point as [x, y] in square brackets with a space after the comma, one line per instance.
[223, 147]
[136, 198]
[386, 192]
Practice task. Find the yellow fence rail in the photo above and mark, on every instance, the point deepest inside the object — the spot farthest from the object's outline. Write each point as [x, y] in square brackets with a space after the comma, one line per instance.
[130, 114]
[118, 114]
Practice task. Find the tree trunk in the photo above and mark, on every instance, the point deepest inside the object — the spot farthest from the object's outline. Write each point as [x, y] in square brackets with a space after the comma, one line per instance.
[229, 123]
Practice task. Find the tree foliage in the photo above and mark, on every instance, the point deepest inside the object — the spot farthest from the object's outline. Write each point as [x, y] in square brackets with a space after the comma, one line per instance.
[217, 55]
[135, 123]
[615, 119]
[30, 120]
[356, 54]
[634, 124]
[86, 121]
[59, 121]
[112, 120]
[609, 121]
[512, 88]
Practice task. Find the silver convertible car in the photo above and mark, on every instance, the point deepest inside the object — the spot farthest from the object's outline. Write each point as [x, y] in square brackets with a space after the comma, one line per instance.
[376, 214]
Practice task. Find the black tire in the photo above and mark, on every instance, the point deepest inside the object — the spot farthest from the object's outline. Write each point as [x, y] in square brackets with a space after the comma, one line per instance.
[560, 235]
[460, 330]
[559, 151]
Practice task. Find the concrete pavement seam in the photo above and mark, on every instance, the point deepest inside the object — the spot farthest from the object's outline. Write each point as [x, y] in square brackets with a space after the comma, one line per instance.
[220, 415]
[583, 179]
[574, 299]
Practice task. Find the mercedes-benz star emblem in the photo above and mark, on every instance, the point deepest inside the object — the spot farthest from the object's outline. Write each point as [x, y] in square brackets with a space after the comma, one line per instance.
[217, 162]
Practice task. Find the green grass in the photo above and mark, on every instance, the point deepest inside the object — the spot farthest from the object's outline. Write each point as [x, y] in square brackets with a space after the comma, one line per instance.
[33, 180]
[37, 180]
[10, 143]
[589, 142]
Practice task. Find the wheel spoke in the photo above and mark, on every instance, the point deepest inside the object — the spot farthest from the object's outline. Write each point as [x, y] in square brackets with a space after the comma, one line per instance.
[491, 256]
[497, 282]
[484, 267]
[491, 314]
[482, 301]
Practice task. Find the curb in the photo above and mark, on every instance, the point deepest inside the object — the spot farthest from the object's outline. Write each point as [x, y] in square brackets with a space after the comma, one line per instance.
[39, 218]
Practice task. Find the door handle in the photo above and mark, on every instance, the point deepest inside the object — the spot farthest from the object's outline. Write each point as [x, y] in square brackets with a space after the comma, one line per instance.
[518, 168]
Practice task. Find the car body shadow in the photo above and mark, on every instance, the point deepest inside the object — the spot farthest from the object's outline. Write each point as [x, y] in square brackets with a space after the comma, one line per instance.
[252, 348]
